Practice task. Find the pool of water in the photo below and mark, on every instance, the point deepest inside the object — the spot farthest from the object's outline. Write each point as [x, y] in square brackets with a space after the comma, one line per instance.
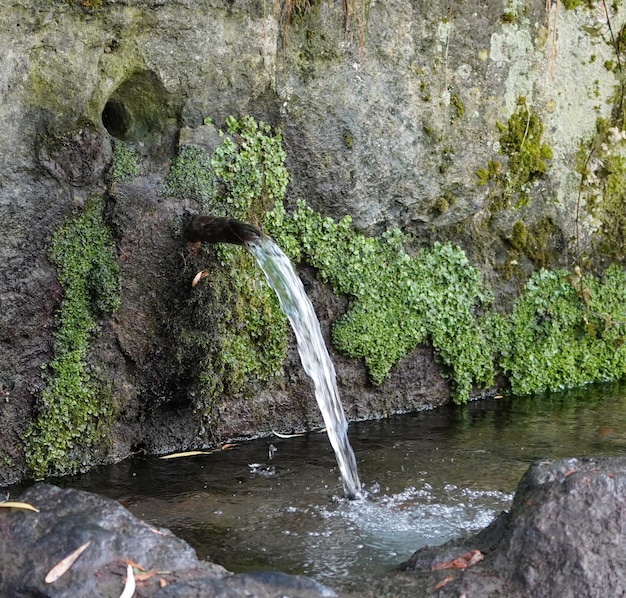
[276, 503]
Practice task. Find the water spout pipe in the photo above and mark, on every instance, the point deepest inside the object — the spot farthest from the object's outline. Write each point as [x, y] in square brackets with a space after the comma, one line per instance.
[220, 229]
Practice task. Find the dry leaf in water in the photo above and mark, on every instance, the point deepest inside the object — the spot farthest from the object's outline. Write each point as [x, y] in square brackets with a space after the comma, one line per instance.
[187, 454]
[467, 559]
[287, 435]
[64, 564]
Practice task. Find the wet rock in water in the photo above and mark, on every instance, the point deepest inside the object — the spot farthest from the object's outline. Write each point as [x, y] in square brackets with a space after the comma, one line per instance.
[32, 543]
[564, 536]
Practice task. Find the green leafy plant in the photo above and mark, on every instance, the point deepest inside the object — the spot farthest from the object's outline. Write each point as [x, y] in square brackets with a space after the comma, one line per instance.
[562, 334]
[247, 340]
[191, 177]
[74, 408]
[250, 167]
[125, 165]
[243, 176]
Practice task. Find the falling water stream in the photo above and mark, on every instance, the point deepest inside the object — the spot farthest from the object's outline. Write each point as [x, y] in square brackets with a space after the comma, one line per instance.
[316, 362]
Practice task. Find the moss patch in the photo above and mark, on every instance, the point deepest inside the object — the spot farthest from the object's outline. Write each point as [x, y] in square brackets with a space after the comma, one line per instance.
[521, 142]
[191, 176]
[125, 165]
[228, 334]
[75, 410]
[601, 163]
[234, 330]
[538, 242]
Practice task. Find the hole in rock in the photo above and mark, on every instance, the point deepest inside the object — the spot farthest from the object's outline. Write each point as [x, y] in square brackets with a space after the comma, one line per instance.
[139, 109]
[116, 119]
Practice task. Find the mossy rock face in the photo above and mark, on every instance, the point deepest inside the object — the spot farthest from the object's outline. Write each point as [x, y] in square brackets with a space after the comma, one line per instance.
[78, 158]
[602, 193]
[386, 114]
[139, 109]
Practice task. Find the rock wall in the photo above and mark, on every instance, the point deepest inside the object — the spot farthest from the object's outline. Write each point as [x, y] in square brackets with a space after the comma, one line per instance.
[389, 113]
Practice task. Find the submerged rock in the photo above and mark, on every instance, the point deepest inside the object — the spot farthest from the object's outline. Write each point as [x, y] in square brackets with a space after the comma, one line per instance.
[564, 536]
[32, 543]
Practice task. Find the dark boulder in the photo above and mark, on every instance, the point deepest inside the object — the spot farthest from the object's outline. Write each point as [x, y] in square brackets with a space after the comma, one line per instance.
[31, 544]
[564, 536]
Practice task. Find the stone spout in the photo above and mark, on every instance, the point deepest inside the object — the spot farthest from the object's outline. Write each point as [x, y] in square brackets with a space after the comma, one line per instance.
[218, 229]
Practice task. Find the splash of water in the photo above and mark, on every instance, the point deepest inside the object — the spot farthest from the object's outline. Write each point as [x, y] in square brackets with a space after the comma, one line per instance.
[317, 364]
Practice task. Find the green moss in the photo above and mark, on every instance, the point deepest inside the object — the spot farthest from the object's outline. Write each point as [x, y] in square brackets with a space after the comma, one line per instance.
[256, 346]
[443, 203]
[74, 409]
[457, 106]
[541, 247]
[602, 167]
[521, 142]
[236, 332]
[573, 4]
[398, 301]
[554, 340]
[125, 165]
[491, 173]
[191, 177]
[88, 4]
[508, 18]
[612, 209]
[519, 235]
[230, 333]
[538, 242]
